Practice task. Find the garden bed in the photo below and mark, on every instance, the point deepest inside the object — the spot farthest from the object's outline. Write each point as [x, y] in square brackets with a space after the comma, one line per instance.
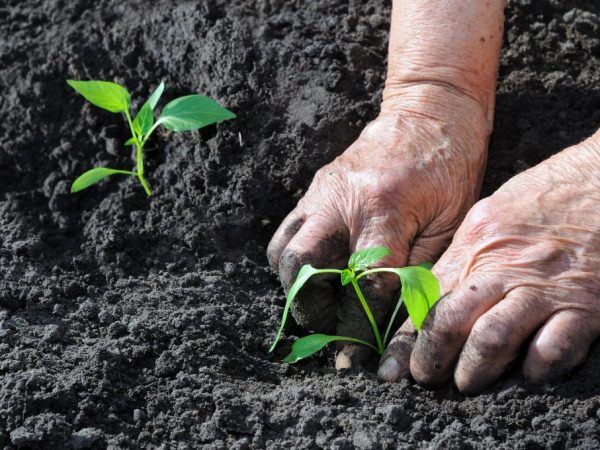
[134, 322]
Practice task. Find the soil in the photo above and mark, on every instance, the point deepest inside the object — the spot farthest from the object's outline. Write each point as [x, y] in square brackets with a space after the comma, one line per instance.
[128, 322]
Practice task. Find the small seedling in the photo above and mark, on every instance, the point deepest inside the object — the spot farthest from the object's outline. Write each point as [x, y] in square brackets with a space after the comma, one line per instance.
[420, 291]
[187, 113]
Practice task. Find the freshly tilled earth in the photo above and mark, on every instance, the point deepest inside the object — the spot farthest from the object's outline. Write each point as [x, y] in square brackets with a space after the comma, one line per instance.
[134, 322]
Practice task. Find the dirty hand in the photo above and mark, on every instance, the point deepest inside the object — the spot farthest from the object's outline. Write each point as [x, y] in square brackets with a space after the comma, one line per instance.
[524, 263]
[405, 184]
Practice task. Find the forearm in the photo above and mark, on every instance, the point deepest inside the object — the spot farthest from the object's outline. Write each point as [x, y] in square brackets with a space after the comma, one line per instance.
[452, 43]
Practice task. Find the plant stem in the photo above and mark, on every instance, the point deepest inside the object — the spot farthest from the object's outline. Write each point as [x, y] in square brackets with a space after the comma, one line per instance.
[156, 124]
[139, 145]
[145, 184]
[391, 322]
[397, 307]
[140, 168]
[365, 306]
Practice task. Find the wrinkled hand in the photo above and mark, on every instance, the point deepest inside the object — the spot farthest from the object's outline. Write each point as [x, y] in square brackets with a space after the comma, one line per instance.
[405, 184]
[524, 263]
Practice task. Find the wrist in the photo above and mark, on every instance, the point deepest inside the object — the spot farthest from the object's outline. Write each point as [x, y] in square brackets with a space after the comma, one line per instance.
[448, 83]
[447, 105]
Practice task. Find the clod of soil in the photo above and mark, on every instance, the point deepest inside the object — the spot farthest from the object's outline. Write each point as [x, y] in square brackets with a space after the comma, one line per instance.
[128, 322]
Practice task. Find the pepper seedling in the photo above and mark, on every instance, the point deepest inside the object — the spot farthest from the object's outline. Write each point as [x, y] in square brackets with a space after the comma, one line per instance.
[187, 113]
[420, 291]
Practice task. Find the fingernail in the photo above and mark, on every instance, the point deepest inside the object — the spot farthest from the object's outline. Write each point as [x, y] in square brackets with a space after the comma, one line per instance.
[389, 370]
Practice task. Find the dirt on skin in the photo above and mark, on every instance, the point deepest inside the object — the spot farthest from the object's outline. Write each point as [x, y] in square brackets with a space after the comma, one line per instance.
[128, 322]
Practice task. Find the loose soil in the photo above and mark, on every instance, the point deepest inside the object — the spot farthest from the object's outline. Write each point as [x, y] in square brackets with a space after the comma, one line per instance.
[128, 322]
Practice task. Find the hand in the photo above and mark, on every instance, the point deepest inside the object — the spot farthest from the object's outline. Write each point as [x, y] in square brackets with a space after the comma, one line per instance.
[524, 263]
[405, 184]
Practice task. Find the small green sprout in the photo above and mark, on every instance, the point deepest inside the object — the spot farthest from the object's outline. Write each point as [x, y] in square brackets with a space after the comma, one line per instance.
[420, 291]
[190, 112]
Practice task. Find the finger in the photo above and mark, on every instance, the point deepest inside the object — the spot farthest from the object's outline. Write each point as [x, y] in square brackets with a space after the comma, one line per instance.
[447, 326]
[379, 290]
[496, 338]
[559, 346]
[394, 364]
[321, 242]
[284, 234]
[395, 361]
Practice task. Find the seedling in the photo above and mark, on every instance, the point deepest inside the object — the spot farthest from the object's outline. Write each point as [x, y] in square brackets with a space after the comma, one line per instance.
[187, 113]
[420, 291]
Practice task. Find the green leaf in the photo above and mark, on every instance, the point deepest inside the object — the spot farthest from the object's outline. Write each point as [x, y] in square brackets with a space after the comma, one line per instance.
[304, 275]
[130, 141]
[192, 112]
[310, 345]
[94, 175]
[155, 97]
[420, 291]
[103, 94]
[144, 120]
[347, 276]
[366, 257]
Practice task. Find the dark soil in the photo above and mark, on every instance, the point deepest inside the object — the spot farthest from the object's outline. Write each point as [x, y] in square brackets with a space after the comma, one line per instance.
[128, 322]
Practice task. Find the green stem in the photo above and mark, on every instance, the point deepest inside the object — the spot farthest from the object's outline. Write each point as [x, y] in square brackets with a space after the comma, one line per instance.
[391, 322]
[365, 306]
[397, 307]
[156, 124]
[133, 133]
[139, 145]
[145, 184]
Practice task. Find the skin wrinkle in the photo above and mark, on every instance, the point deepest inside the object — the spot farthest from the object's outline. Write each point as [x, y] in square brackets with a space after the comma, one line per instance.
[394, 85]
[549, 257]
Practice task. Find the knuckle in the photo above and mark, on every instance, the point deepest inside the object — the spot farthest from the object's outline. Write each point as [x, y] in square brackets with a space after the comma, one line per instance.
[381, 190]
[488, 338]
[444, 324]
[483, 215]
[328, 174]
